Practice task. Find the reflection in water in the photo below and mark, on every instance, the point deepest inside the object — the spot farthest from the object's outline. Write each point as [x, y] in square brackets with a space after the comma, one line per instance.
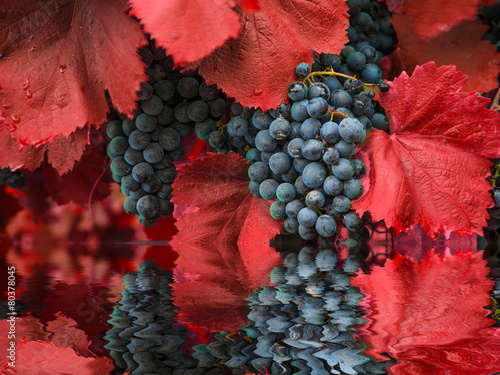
[300, 326]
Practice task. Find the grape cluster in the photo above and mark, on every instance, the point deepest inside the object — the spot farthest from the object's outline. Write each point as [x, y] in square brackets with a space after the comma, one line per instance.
[370, 25]
[302, 150]
[13, 179]
[171, 105]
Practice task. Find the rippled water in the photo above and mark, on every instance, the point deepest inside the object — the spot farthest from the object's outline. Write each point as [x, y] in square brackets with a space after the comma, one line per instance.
[110, 308]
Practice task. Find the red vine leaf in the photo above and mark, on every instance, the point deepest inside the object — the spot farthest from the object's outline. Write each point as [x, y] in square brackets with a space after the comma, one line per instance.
[441, 316]
[61, 153]
[189, 30]
[461, 46]
[426, 17]
[228, 235]
[257, 68]
[432, 169]
[59, 58]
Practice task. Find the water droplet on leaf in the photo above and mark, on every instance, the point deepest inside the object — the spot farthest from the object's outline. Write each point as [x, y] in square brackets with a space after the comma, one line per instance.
[257, 92]
[62, 68]
[15, 118]
[29, 94]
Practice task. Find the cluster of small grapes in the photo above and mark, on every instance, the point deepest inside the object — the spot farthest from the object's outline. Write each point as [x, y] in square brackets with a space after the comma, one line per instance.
[13, 179]
[302, 156]
[144, 338]
[303, 323]
[490, 15]
[370, 25]
[142, 149]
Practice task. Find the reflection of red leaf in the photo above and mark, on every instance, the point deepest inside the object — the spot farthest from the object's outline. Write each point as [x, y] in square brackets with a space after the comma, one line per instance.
[257, 68]
[461, 46]
[49, 359]
[61, 153]
[430, 315]
[228, 236]
[431, 170]
[88, 176]
[188, 30]
[426, 17]
[58, 61]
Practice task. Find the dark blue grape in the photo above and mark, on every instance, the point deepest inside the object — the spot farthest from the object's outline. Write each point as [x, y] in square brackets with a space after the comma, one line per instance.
[254, 188]
[137, 193]
[280, 163]
[117, 147]
[198, 111]
[346, 52]
[307, 217]
[310, 128]
[114, 129]
[280, 129]
[130, 206]
[326, 226]
[345, 149]
[169, 139]
[178, 153]
[370, 54]
[129, 183]
[297, 91]
[253, 155]
[285, 192]
[318, 90]
[164, 89]
[329, 59]
[312, 149]
[217, 108]
[314, 174]
[236, 109]
[361, 20]
[139, 140]
[331, 156]
[152, 106]
[307, 233]
[165, 191]
[353, 87]
[153, 153]
[292, 208]
[294, 147]
[258, 171]
[359, 168]
[353, 188]
[208, 92]
[333, 186]
[379, 121]
[300, 187]
[300, 163]
[237, 126]
[166, 116]
[341, 203]
[278, 210]
[371, 73]
[188, 87]
[317, 107]
[264, 141]
[315, 199]
[148, 221]
[290, 175]
[343, 169]
[302, 70]
[204, 128]
[166, 208]
[261, 120]
[167, 175]
[142, 172]
[148, 206]
[268, 188]
[329, 132]
[291, 225]
[351, 130]
[299, 110]
[341, 98]
[353, 222]
[120, 167]
[133, 157]
[181, 112]
[165, 162]
[153, 185]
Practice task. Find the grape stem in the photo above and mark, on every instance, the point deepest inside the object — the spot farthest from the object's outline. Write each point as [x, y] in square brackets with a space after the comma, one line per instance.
[335, 74]
[494, 104]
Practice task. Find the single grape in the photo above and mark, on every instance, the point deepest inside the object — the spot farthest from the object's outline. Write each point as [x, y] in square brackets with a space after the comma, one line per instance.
[237, 126]
[204, 128]
[318, 90]
[333, 186]
[166, 208]
[133, 157]
[280, 128]
[302, 70]
[130, 206]
[217, 108]
[261, 120]
[120, 167]
[300, 187]
[307, 233]
[293, 207]
[153, 185]
[343, 169]
[166, 116]
[307, 217]
[353, 222]
[114, 129]
[341, 203]
[164, 89]
[165, 191]
[297, 91]
[326, 226]
[312, 149]
[169, 139]
[129, 183]
[208, 92]
[139, 140]
[188, 87]
[345, 149]
[329, 132]
[264, 141]
[300, 163]
[280, 163]
[253, 155]
[142, 172]
[117, 147]
[379, 121]
[178, 153]
[299, 110]
[167, 175]
[285, 192]
[152, 106]
[314, 174]
[268, 189]
[148, 206]
[317, 107]
[353, 188]
[315, 199]
[331, 156]
[278, 210]
[165, 162]
[291, 225]
[291, 175]
[341, 98]
[254, 187]
[359, 168]
[258, 171]
[181, 112]
[353, 87]
[351, 130]
[153, 153]
[198, 111]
